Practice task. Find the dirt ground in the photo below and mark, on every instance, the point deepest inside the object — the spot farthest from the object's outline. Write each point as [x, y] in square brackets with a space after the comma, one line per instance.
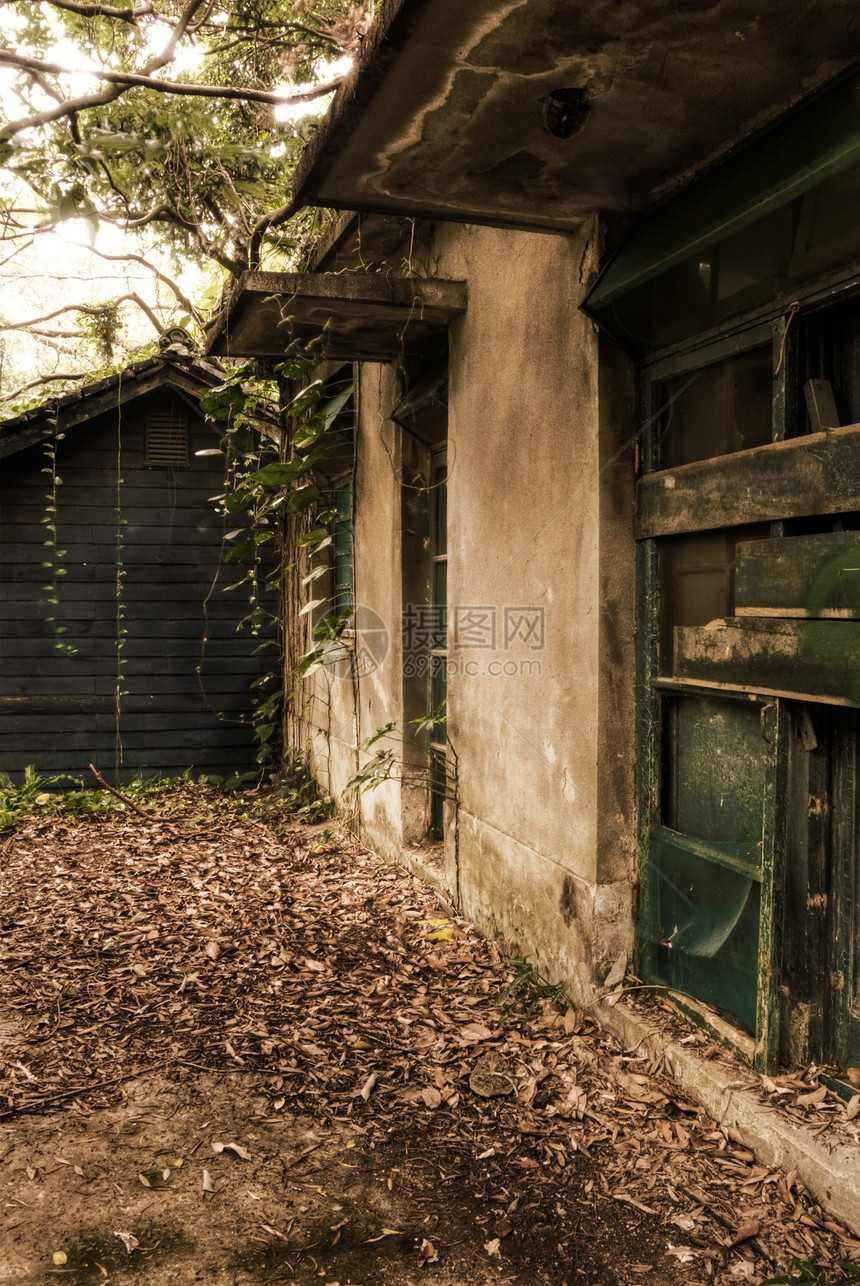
[232, 1057]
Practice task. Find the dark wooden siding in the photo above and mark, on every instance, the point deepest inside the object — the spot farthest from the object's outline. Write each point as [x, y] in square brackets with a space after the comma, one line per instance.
[184, 702]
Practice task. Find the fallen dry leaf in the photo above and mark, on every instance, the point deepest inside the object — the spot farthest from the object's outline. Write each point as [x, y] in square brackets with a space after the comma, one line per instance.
[749, 1228]
[232, 1147]
[492, 1248]
[129, 1240]
[328, 965]
[427, 1253]
[814, 1098]
[367, 1087]
[473, 1033]
[208, 1186]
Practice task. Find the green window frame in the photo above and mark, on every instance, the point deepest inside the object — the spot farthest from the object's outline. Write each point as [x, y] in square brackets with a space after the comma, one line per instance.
[342, 546]
[438, 693]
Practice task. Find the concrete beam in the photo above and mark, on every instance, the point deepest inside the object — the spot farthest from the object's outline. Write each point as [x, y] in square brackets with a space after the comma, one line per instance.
[349, 316]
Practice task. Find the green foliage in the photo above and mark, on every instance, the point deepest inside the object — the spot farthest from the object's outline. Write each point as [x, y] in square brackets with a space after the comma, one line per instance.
[18, 802]
[198, 171]
[379, 767]
[291, 795]
[527, 990]
[847, 1274]
[51, 796]
[102, 328]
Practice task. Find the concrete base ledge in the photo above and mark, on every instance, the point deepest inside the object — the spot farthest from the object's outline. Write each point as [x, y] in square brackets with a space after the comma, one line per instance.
[831, 1172]
[730, 1094]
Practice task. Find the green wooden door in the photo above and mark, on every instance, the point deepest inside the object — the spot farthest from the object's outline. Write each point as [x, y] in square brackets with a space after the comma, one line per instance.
[705, 852]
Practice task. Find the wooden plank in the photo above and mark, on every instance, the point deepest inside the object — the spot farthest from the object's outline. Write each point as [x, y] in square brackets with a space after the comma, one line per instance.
[816, 474]
[90, 743]
[151, 723]
[148, 761]
[213, 685]
[165, 651]
[205, 532]
[28, 501]
[155, 636]
[167, 665]
[51, 687]
[158, 516]
[32, 703]
[11, 725]
[51, 703]
[809, 659]
[800, 576]
[198, 553]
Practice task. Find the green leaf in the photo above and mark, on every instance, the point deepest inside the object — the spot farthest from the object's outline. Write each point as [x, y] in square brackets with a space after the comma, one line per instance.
[303, 498]
[222, 402]
[279, 475]
[236, 501]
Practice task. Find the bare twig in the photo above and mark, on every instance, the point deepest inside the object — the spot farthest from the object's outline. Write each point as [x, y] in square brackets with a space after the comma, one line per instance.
[27, 1105]
[113, 790]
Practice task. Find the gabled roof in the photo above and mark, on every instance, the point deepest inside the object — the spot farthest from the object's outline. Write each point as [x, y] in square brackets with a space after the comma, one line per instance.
[188, 375]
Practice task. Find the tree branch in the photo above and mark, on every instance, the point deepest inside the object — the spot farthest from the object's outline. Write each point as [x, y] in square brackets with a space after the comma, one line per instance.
[100, 10]
[92, 310]
[68, 108]
[157, 323]
[121, 82]
[156, 272]
[48, 334]
[262, 226]
[43, 379]
[179, 30]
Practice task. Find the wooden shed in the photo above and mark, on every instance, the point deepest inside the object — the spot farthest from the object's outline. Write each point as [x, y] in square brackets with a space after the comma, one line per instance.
[120, 643]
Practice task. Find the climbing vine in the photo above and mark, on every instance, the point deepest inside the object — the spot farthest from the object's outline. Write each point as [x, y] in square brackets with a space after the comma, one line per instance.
[276, 492]
[53, 551]
[121, 632]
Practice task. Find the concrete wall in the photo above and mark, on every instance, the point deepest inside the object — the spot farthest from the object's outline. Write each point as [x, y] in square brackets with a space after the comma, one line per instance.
[539, 845]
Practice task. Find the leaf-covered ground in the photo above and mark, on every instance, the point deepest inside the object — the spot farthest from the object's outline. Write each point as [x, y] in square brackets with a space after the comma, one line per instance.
[232, 1058]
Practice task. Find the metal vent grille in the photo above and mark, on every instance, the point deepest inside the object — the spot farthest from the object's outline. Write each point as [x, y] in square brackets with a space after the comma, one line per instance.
[167, 442]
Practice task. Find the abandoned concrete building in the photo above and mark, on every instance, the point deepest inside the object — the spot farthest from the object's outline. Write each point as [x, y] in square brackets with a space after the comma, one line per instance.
[596, 284]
